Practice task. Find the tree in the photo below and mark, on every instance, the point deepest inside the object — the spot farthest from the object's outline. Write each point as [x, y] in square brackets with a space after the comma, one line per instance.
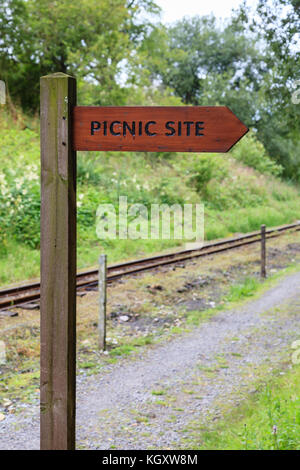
[87, 38]
[250, 65]
[197, 48]
[276, 24]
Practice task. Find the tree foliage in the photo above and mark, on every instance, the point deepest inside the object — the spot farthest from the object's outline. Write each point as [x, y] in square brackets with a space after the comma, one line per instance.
[121, 56]
[276, 25]
[197, 48]
[87, 38]
[249, 63]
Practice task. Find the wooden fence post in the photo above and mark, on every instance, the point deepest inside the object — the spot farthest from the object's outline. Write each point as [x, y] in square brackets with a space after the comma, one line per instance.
[263, 251]
[58, 263]
[102, 302]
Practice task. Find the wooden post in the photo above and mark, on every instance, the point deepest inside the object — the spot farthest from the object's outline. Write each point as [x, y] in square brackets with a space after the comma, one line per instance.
[58, 264]
[263, 251]
[102, 302]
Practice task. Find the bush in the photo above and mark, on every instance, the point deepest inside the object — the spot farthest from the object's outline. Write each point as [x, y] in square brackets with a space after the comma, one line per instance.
[87, 170]
[27, 219]
[204, 169]
[235, 192]
[167, 192]
[252, 153]
[20, 204]
[88, 201]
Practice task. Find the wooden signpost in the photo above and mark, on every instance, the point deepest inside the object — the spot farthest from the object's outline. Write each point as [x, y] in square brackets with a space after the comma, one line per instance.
[66, 128]
[58, 264]
[156, 128]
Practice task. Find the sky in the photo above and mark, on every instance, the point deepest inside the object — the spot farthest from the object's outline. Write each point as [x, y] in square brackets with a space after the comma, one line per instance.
[173, 10]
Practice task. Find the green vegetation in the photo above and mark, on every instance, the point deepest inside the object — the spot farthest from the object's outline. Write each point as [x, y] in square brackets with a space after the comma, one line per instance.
[128, 57]
[268, 420]
[158, 392]
[243, 290]
[121, 54]
[131, 346]
[237, 198]
[195, 317]
[249, 63]
[20, 375]
[86, 38]
[238, 294]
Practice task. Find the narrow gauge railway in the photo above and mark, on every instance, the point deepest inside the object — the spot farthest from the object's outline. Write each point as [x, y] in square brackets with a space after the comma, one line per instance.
[26, 293]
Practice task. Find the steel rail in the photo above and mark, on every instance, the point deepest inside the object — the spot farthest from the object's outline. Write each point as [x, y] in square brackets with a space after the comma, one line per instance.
[25, 293]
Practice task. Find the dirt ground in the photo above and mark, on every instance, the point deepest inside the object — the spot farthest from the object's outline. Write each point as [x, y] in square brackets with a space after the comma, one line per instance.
[155, 376]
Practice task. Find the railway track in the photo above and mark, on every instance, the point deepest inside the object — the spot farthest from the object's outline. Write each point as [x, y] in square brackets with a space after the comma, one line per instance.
[23, 295]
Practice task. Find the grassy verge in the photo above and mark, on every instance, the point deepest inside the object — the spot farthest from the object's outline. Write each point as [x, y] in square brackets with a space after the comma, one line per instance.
[20, 376]
[268, 420]
[249, 288]
[237, 198]
[21, 262]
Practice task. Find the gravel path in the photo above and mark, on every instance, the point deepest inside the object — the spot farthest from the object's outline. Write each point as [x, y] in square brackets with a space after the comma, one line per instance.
[147, 402]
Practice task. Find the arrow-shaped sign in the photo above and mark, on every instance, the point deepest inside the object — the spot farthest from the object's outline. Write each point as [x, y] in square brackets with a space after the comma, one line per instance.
[156, 128]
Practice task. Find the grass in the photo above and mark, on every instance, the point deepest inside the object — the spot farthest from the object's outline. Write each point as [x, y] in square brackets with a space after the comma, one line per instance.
[129, 346]
[243, 290]
[25, 385]
[23, 343]
[21, 262]
[236, 198]
[195, 317]
[21, 380]
[242, 220]
[237, 293]
[268, 420]
[158, 392]
[161, 403]
[250, 287]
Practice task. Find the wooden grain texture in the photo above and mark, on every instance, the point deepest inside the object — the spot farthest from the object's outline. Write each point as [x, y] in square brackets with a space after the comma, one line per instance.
[58, 264]
[263, 271]
[102, 301]
[156, 129]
